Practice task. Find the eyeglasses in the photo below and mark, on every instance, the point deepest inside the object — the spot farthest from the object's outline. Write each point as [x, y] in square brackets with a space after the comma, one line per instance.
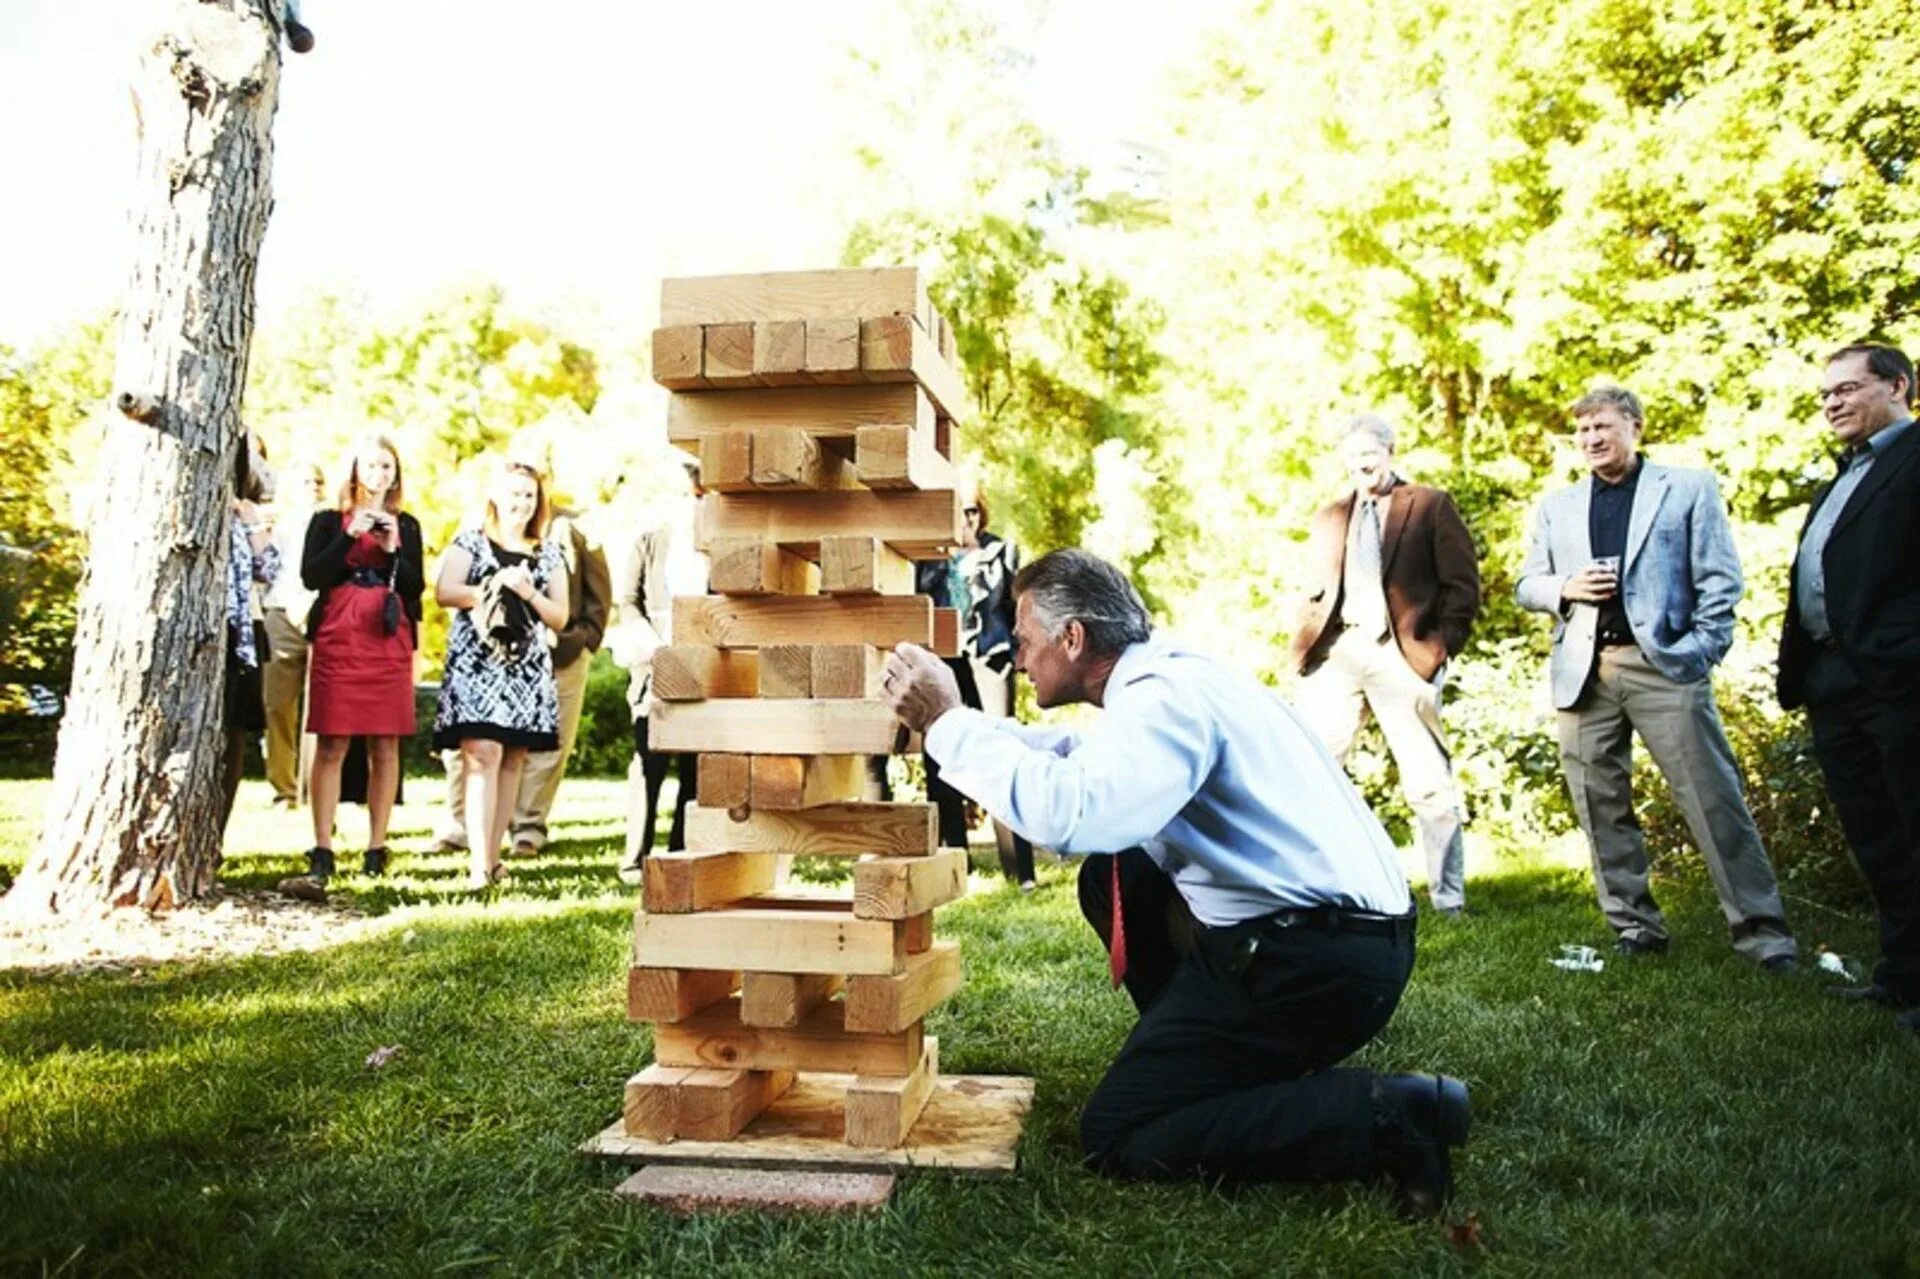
[969, 510]
[1844, 390]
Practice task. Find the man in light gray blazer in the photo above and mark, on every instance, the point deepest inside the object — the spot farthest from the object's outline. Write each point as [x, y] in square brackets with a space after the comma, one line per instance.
[1637, 565]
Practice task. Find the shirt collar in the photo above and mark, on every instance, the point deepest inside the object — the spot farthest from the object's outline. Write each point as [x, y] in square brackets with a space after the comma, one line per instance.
[1627, 481]
[1882, 440]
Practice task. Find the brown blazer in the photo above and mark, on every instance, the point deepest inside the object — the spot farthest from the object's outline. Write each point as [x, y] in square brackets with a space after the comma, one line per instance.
[1430, 571]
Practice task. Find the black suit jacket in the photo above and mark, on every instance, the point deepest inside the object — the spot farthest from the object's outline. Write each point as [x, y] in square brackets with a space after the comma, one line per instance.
[1872, 565]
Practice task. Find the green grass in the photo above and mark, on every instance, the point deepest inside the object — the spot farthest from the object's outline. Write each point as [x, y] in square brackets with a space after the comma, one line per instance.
[1682, 1115]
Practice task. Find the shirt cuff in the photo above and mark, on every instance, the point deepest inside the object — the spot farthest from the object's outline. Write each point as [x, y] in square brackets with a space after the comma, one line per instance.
[943, 739]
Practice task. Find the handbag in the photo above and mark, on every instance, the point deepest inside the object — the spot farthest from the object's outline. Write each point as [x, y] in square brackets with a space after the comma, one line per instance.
[390, 607]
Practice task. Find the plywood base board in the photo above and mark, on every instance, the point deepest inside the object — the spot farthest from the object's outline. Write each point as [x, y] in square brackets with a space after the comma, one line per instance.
[691, 1189]
[971, 1124]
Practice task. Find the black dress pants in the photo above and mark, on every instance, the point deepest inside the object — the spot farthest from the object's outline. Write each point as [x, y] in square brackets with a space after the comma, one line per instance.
[1227, 1075]
[653, 766]
[1869, 749]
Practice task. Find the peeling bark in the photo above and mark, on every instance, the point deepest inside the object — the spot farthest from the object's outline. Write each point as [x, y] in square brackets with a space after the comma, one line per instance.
[134, 817]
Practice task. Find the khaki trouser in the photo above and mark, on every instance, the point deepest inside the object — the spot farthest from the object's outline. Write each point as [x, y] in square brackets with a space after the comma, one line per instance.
[1361, 674]
[539, 778]
[284, 689]
[1680, 724]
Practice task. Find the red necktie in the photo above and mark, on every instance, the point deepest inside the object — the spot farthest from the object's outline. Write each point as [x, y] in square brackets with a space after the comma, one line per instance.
[1117, 949]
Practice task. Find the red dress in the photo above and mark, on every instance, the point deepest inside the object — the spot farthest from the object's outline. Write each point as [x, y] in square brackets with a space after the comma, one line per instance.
[362, 678]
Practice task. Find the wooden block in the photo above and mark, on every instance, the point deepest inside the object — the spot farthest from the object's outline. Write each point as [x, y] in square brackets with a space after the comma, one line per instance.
[790, 782]
[883, 1003]
[895, 457]
[916, 934]
[833, 350]
[780, 352]
[691, 672]
[700, 1190]
[863, 566]
[723, 780]
[847, 670]
[842, 726]
[943, 436]
[783, 999]
[749, 622]
[899, 887]
[728, 353]
[716, 1037]
[793, 295]
[786, 670]
[769, 941]
[714, 1105]
[881, 1111]
[677, 358]
[917, 523]
[677, 882]
[943, 339]
[726, 461]
[830, 830]
[946, 632]
[646, 1108]
[754, 566]
[834, 412]
[668, 994]
[795, 460]
[972, 1124]
[900, 347]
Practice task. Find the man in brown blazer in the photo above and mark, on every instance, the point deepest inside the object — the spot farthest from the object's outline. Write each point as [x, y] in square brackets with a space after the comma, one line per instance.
[1395, 590]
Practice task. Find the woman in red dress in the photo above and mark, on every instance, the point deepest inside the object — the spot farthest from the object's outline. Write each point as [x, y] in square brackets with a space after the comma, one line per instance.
[366, 563]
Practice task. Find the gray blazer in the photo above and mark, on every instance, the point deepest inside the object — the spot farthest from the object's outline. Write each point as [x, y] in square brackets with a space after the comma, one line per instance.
[1680, 578]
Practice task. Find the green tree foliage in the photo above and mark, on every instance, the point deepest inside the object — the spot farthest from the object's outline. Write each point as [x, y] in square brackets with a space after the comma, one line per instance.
[46, 399]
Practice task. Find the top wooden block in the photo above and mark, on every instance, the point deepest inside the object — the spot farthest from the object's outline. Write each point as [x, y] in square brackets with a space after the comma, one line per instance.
[797, 295]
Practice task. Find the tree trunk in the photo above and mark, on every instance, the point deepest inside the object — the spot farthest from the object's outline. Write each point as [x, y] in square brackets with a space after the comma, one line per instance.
[134, 818]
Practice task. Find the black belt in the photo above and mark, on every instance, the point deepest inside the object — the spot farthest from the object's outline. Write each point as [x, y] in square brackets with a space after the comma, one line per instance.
[1613, 639]
[366, 577]
[1335, 919]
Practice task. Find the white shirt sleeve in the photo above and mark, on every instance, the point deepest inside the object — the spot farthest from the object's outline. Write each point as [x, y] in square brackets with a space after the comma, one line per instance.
[1113, 787]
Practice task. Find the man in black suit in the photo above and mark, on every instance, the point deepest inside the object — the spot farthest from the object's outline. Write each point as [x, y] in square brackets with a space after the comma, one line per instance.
[1850, 648]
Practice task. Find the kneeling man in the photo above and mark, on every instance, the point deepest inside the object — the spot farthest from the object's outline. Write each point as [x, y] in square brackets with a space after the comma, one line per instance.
[1248, 898]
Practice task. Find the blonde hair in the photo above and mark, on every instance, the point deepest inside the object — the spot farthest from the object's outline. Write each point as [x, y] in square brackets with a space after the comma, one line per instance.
[537, 523]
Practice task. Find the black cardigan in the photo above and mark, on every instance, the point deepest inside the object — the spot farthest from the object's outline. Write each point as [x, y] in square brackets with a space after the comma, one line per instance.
[323, 563]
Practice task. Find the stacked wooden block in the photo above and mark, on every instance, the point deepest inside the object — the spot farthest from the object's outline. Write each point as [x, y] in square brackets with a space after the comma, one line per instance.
[821, 405]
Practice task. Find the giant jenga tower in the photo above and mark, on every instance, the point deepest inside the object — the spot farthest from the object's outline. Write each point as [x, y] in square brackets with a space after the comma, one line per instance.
[821, 405]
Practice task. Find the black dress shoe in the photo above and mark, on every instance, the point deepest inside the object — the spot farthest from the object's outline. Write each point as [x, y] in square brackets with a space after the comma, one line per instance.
[320, 864]
[374, 861]
[1418, 1119]
[1625, 945]
[299, 36]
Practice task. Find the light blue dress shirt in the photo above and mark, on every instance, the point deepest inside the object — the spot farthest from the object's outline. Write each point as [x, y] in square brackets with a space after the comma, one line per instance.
[1203, 767]
[1809, 568]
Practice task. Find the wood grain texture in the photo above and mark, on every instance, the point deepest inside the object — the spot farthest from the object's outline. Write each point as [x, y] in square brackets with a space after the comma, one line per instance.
[769, 941]
[783, 999]
[847, 670]
[693, 672]
[676, 882]
[831, 830]
[727, 352]
[668, 994]
[754, 622]
[794, 295]
[677, 357]
[890, 1002]
[901, 887]
[882, 1110]
[755, 566]
[780, 353]
[831, 412]
[723, 781]
[901, 457]
[862, 565]
[716, 1037]
[920, 524]
[842, 726]
[726, 461]
[791, 782]
[786, 671]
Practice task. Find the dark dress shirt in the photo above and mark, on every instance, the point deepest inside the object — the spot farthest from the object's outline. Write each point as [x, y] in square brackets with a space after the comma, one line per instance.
[1607, 518]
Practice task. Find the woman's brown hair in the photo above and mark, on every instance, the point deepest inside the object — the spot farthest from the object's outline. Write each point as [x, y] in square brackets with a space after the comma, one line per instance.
[351, 491]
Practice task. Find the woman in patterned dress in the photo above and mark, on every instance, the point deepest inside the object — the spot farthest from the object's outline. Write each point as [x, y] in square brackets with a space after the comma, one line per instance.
[497, 698]
[364, 559]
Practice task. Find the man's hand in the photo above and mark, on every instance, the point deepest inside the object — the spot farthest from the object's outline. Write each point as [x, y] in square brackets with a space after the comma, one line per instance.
[1590, 585]
[918, 687]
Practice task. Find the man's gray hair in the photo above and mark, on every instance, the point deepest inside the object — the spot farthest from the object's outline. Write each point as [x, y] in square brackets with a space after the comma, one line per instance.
[1368, 424]
[1075, 585]
[1611, 397]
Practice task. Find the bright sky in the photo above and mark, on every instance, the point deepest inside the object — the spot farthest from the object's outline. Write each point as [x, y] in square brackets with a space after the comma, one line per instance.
[574, 157]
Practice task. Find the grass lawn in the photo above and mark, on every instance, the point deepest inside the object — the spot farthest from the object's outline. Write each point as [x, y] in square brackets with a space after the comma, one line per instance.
[1679, 1115]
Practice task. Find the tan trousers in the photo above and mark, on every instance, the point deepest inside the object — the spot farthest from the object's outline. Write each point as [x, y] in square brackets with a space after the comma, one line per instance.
[1680, 724]
[540, 777]
[1361, 674]
[284, 689]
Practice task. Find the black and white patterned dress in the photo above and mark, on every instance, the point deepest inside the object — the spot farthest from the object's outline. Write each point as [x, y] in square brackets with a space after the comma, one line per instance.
[482, 694]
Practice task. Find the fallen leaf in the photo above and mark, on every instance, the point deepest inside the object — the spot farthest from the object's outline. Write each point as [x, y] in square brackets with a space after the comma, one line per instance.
[382, 1055]
[1465, 1235]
